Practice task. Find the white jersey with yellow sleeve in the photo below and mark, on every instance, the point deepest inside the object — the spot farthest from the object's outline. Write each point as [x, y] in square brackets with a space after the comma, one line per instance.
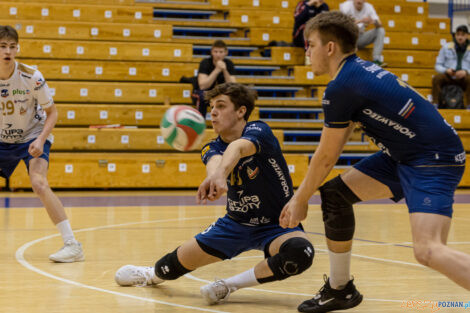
[23, 98]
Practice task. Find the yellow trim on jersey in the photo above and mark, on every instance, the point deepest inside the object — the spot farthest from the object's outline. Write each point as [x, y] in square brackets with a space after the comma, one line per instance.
[339, 122]
[24, 68]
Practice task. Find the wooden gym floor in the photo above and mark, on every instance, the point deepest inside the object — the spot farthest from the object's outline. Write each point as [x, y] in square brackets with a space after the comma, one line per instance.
[118, 228]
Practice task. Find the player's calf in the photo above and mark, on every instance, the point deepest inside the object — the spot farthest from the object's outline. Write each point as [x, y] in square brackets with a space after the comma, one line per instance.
[294, 257]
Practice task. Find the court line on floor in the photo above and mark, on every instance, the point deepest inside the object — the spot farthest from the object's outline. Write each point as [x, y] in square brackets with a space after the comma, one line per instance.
[20, 258]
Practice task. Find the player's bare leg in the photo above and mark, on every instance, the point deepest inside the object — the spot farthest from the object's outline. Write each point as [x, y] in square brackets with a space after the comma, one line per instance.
[429, 243]
[72, 250]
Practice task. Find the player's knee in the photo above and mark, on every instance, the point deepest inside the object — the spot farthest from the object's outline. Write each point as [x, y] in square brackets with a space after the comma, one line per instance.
[39, 184]
[338, 215]
[424, 252]
[294, 257]
[169, 267]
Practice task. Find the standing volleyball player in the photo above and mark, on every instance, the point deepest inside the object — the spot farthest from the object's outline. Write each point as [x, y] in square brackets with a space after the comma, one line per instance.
[248, 157]
[422, 159]
[28, 116]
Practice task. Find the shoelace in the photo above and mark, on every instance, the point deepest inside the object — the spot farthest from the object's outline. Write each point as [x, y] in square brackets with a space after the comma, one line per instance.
[142, 277]
[221, 288]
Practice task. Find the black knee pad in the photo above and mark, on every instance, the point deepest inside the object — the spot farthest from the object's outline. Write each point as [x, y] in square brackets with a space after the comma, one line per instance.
[338, 215]
[169, 268]
[295, 256]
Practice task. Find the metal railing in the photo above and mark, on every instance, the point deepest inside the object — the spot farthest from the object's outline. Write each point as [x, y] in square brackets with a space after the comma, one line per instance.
[457, 6]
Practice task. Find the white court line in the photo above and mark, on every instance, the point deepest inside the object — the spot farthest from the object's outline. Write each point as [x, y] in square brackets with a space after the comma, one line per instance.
[20, 258]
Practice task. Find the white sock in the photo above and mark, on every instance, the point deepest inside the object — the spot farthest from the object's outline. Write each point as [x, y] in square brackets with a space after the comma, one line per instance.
[242, 280]
[339, 269]
[65, 230]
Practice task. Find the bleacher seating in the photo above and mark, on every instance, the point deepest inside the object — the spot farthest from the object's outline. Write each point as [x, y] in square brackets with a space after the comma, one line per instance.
[119, 62]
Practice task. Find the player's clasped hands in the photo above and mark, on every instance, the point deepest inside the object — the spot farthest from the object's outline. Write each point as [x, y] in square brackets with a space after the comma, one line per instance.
[293, 213]
[212, 188]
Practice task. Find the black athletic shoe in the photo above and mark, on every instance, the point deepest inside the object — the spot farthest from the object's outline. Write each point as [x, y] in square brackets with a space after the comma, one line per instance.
[328, 299]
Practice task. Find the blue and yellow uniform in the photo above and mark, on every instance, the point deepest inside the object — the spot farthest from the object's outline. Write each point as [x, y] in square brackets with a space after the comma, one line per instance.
[422, 157]
[258, 188]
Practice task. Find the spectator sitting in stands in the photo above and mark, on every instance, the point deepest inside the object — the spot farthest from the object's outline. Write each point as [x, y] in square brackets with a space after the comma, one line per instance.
[305, 10]
[214, 71]
[364, 14]
[453, 65]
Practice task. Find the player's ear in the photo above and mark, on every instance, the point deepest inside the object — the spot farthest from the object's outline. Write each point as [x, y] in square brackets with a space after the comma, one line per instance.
[242, 111]
[331, 47]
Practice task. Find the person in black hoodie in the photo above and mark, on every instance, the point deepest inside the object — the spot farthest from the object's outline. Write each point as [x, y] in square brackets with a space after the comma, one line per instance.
[305, 10]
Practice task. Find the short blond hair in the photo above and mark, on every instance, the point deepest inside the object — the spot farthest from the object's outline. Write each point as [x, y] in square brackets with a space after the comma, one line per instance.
[334, 26]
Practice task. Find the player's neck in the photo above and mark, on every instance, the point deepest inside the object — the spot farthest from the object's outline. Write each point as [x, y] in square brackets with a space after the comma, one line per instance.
[336, 64]
[6, 70]
[234, 133]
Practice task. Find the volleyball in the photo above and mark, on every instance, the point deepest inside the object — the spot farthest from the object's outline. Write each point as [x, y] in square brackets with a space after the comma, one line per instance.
[183, 127]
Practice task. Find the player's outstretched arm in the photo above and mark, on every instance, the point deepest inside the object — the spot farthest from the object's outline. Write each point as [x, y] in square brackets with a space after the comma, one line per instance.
[325, 157]
[215, 184]
[204, 188]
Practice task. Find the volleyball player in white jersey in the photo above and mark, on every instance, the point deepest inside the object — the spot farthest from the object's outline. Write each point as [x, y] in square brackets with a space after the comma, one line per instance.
[27, 117]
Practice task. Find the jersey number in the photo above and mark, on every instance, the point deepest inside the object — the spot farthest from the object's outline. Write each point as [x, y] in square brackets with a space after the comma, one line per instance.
[8, 108]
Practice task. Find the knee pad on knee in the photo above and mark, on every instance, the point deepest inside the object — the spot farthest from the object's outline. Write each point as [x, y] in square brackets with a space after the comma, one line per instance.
[294, 257]
[169, 267]
[338, 215]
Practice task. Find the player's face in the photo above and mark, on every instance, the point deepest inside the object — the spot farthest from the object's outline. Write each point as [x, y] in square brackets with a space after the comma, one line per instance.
[218, 54]
[223, 114]
[8, 50]
[461, 37]
[318, 54]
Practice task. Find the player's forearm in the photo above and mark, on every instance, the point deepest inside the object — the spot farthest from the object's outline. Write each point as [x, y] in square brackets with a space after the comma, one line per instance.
[207, 81]
[231, 156]
[213, 164]
[49, 124]
[320, 166]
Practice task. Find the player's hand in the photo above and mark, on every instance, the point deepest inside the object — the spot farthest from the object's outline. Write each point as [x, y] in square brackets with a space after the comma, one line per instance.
[450, 71]
[460, 74]
[36, 148]
[212, 188]
[221, 65]
[293, 213]
[367, 20]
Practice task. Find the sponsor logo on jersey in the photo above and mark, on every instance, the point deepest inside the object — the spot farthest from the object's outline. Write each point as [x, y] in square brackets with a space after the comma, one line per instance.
[280, 175]
[40, 83]
[4, 85]
[20, 100]
[254, 220]
[265, 220]
[10, 134]
[204, 151]
[252, 173]
[21, 92]
[460, 158]
[22, 111]
[246, 203]
[4, 93]
[26, 76]
[390, 123]
[254, 127]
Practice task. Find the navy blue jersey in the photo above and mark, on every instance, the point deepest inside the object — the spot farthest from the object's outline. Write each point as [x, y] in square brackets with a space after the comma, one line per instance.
[399, 120]
[259, 185]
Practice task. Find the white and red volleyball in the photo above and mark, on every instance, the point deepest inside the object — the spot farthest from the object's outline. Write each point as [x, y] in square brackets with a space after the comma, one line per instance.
[183, 127]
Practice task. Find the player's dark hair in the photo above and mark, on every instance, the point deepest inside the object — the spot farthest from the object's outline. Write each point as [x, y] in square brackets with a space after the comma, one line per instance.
[8, 32]
[219, 44]
[239, 94]
[334, 26]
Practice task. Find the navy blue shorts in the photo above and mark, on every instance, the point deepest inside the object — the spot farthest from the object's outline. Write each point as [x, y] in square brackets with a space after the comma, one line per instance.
[12, 153]
[425, 189]
[227, 238]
